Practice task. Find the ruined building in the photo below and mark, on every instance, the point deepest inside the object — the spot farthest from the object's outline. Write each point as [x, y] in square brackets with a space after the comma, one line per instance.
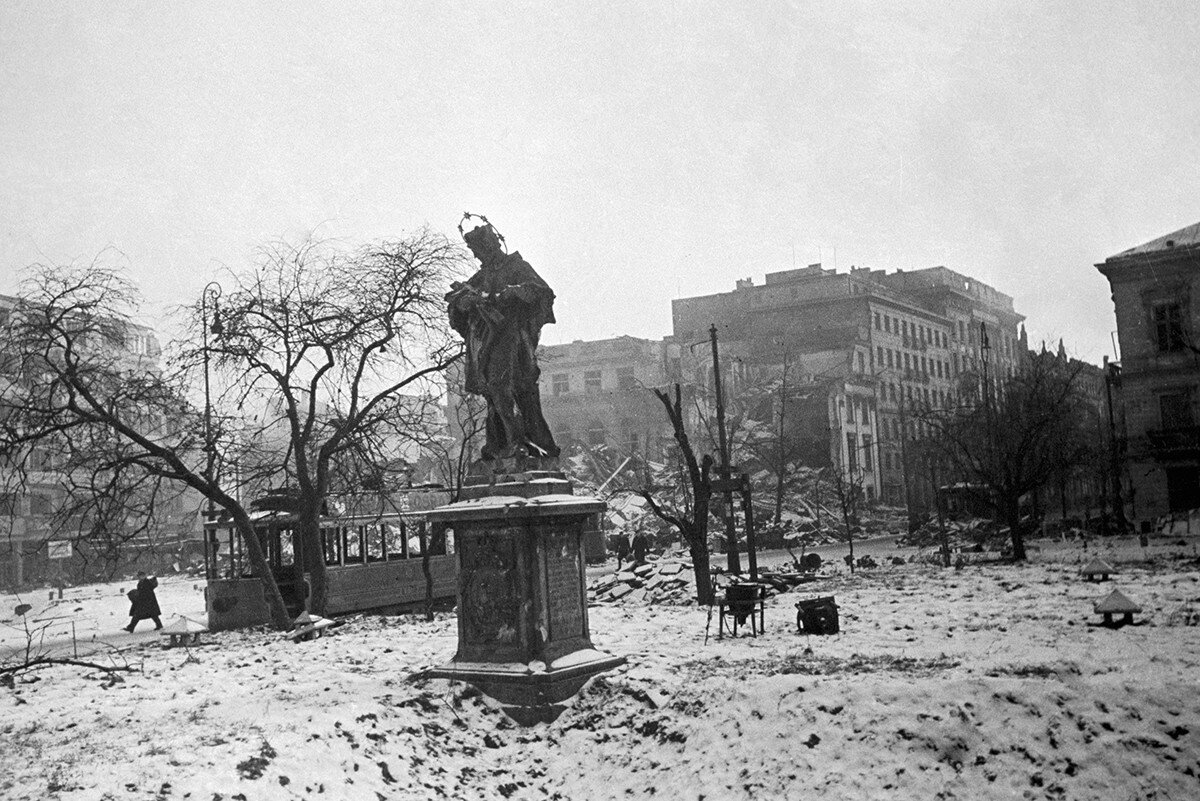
[876, 346]
[1157, 324]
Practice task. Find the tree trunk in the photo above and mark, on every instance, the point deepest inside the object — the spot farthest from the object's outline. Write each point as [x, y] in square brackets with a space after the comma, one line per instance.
[258, 562]
[312, 560]
[423, 536]
[1012, 515]
[698, 549]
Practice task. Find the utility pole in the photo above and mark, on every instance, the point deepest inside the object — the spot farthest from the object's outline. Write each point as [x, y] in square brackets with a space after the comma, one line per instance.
[1112, 375]
[782, 453]
[730, 527]
[905, 473]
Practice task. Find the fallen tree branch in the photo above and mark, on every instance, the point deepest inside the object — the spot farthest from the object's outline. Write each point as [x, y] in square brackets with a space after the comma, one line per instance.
[47, 661]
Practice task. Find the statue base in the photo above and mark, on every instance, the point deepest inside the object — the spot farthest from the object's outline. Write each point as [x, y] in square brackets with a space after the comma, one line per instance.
[523, 634]
[524, 476]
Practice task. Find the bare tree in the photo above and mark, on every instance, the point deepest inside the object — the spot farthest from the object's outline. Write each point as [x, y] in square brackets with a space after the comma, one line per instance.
[81, 392]
[450, 453]
[1015, 439]
[848, 490]
[690, 517]
[341, 349]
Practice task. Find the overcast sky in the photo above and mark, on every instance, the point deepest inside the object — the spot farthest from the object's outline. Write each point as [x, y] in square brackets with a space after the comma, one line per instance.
[633, 152]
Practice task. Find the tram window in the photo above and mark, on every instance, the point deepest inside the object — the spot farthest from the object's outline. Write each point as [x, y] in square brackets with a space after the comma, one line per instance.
[332, 538]
[449, 532]
[287, 552]
[416, 530]
[393, 537]
[437, 541]
[352, 545]
[374, 536]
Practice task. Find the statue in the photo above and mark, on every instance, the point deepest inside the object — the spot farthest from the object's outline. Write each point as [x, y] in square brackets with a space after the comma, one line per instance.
[500, 311]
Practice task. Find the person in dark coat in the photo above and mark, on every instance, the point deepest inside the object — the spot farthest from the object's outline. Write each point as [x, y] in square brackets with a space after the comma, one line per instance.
[622, 549]
[144, 603]
[640, 544]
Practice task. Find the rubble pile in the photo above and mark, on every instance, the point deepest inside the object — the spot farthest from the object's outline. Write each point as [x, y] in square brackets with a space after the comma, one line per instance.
[671, 582]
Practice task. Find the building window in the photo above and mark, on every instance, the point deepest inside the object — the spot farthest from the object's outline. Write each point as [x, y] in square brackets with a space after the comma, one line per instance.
[560, 383]
[879, 353]
[866, 448]
[1168, 327]
[852, 452]
[591, 382]
[625, 379]
[907, 366]
[1176, 410]
[634, 441]
[876, 321]
[862, 363]
[850, 410]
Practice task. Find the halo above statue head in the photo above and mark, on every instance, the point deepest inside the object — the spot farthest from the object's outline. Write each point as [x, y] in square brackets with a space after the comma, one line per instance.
[487, 225]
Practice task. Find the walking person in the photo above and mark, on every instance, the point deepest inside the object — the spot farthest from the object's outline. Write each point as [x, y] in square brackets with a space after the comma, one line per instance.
[622, 549]
[640, 544]
[143, 602]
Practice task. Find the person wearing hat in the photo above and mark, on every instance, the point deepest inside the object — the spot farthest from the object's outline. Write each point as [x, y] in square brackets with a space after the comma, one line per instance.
[143, 602]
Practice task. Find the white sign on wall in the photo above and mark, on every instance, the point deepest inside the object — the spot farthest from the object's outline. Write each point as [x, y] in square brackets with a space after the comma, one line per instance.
[59, 549]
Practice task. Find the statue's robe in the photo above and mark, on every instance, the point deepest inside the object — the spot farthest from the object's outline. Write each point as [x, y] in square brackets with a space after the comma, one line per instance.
[501, 336]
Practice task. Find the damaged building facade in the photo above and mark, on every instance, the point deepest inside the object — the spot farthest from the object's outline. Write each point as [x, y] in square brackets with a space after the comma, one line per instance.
[1154, 290]
[874, 347]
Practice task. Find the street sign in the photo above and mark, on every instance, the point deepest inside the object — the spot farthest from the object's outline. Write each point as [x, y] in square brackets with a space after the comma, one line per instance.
[59, 549]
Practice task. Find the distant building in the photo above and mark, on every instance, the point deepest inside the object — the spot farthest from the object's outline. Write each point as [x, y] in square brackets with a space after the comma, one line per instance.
[29, 549]
[882, 345]
[1158, 320]
[598, 393]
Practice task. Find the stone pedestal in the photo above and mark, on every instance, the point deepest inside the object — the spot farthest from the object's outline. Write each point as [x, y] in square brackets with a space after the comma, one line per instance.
[523, 635]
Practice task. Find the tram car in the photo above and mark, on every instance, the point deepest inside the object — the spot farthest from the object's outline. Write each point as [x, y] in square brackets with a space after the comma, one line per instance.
[374, 558]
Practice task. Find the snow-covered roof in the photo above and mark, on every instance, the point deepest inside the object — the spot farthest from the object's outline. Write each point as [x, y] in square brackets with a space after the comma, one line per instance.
[1183, 238]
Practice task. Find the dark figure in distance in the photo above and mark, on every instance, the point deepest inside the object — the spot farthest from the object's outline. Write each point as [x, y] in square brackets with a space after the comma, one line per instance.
[500, 311]
[622, 549]
[144, 604]
[640, 543]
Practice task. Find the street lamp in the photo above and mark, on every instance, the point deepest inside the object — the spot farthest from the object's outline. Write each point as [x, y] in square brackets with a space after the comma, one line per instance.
[212, 293]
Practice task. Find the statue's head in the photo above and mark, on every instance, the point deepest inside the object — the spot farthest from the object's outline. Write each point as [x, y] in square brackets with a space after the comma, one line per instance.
[484, 242]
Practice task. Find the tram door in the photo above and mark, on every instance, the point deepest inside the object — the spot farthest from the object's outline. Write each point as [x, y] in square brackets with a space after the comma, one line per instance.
[289, 574]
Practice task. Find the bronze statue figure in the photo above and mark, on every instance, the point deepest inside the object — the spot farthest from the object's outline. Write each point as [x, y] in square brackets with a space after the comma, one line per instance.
[500, 311]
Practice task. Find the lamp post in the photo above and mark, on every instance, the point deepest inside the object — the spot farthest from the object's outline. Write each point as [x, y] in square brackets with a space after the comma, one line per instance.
[212, 293]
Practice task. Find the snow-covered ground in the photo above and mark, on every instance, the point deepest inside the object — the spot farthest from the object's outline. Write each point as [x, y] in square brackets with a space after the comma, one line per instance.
[985, 682]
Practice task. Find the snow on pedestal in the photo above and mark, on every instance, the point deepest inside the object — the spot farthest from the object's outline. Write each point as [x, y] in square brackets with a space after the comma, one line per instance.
[523, 635]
